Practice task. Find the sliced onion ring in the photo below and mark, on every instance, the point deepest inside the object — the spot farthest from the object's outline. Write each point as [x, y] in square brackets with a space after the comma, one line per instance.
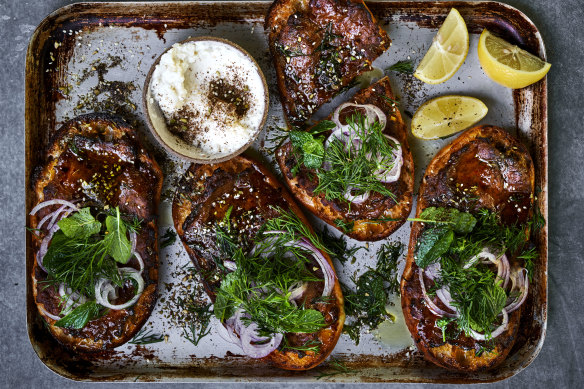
[431, 306]
[394, 173]
[52, 202]
[254, 350]
[102, 294]
[497, 331]
[520, 281]
[48, 314]
[372, 113]
[327, 270]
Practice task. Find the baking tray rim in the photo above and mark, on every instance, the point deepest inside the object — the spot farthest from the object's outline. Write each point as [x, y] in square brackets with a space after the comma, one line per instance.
[65, 13]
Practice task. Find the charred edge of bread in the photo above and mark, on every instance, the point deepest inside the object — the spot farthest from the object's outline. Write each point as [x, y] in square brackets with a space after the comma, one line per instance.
[446, 354]
[276, 19]
[289, 360]
[132, 319]
[330, 211]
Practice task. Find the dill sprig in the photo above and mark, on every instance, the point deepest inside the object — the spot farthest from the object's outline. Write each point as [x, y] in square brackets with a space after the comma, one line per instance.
[337, 246]
[366, 305]
[403, 66]
[337, 367]
[453, 238]
[168, 238]
[354, 169]
[146, 336]
[264, 277]
[197, 326]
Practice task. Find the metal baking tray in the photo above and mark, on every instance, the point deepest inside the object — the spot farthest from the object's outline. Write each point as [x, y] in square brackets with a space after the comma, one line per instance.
[82, 48]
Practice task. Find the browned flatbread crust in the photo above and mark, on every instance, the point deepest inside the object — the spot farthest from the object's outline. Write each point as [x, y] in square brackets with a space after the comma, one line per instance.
[377, 206]
[87, 146]
[484, 167]
[296, 30]
[204, 195]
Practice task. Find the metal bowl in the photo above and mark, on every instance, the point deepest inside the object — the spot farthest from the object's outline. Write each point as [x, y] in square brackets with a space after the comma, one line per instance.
[174, 144]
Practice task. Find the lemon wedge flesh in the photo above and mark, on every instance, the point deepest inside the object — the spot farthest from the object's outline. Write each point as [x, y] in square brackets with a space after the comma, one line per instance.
[507, 64]
[447, 53]
[446, 115]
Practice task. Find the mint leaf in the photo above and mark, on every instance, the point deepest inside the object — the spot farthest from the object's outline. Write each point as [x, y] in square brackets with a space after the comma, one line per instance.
[460, 222]
[119, 247]
[310, 149]
[432, 244]
[323, 126]
[80, 316]
[313, 153]
[80, 224]
[298, 138]
[305, 321]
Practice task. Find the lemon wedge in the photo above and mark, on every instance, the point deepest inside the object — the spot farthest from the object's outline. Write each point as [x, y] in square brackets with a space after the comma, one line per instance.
[447, 53]
[445, 115]
[507, 64]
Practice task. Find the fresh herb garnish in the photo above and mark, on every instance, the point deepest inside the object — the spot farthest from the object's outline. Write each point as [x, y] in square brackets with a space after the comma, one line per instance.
[80, 316]
[145, 336]
[442, 323]
[263, 279]
[119, 247]
[337, 246]
[367, 304]
[312, 345]
[200, 318]
[402, 66]
[338, 367]
[351, 169]
[308, 145]
[168, 238]
[344, 225]
[84, 250]
[454, 238]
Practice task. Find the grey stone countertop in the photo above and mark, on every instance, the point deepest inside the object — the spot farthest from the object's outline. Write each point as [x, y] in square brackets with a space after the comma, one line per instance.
[560, 362]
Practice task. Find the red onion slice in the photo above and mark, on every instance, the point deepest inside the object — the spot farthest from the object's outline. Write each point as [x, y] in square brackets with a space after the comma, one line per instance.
[255, 350]
[327, 270]
[495, 333]
[394, 173]
[52, 202]
[47, 217]
[297, 291]
[431, 306]
[48, 314]
[520, 281]
[102, 295]
[355, 199]
[372, 113]
[140, 261]
[133, 240]
[45, 246]
[433, 271]
[230, 265]
[446, 298]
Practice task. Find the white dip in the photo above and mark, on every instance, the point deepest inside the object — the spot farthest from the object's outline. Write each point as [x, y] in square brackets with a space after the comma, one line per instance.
[211, 95]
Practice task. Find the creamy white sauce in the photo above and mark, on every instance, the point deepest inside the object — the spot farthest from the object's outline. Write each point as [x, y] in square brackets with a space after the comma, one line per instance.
[181, 85]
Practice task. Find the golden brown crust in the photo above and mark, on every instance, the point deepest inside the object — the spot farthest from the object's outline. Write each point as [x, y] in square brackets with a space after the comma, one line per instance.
[79, 151]
[484, 167]
[377, 206]
[204, 195]
[318, 48]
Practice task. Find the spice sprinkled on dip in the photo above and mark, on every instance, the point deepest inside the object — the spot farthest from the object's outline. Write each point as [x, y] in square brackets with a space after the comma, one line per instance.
[212, 97]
